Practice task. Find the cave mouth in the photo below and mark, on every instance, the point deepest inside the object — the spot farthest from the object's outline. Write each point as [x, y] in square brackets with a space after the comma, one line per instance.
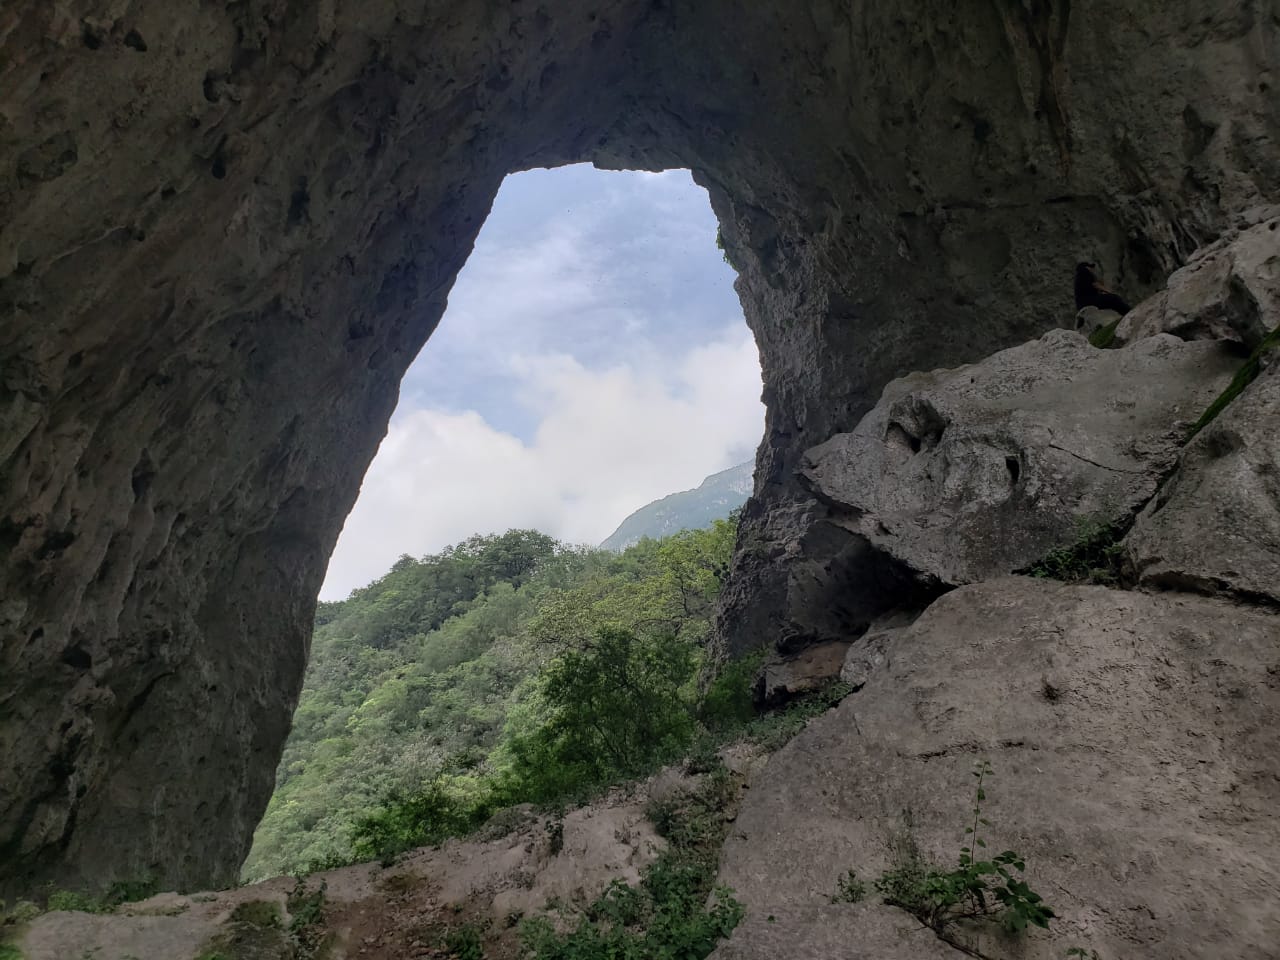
[593, 358]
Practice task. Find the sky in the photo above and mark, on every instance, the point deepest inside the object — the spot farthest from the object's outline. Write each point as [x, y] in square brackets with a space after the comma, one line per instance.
[593, 358]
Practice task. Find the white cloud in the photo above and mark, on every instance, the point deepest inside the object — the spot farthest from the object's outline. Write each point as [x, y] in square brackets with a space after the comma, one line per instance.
[609, 441]
[593, 358]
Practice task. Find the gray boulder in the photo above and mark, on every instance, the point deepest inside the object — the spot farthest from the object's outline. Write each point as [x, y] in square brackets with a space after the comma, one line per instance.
[1229, 290]
[1215, 526]
[960, 475]
[1135, 743]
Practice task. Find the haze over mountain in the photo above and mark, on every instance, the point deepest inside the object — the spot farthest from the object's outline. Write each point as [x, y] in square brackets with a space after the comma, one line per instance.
[713, 499]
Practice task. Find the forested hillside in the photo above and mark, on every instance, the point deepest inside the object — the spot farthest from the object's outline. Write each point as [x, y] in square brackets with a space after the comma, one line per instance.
[715, 498]
[506, 669]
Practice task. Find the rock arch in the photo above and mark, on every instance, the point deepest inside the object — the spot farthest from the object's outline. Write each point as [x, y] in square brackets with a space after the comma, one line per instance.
[225, 231]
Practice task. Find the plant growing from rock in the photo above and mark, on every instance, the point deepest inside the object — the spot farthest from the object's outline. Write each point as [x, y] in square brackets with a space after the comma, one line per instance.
[1096, 556]
[977, 889]
[849, 889]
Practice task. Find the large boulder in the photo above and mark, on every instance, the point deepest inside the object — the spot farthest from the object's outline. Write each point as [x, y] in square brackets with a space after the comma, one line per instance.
[1229, 290]
[227, 228]
[1215, 526]
[964, 474]
[1135, 743]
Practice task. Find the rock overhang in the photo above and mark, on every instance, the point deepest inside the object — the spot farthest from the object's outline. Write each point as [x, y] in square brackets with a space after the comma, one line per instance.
[225, 231]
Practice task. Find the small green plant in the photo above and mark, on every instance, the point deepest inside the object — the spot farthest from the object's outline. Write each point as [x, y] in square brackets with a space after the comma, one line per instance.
[1247, 373]
[668, 914]
[849, 889]
[1104, 336]
[1097, 556]
[465, 943]
[9, 952]
[977, 889]
[306, 907]
[23, 911]
[724, 251]
[772, 730]
[71, 901]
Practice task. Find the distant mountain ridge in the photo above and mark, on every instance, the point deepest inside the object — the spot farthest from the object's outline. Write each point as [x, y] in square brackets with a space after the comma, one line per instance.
[713, 499]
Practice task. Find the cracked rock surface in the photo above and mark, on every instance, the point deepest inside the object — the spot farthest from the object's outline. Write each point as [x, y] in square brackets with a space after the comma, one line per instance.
[227, 227]
[960, 475]
[1135, 742]
[1215, 526]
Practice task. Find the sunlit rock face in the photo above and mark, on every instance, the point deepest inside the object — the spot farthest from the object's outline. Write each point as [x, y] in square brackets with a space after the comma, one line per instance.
[226, 229]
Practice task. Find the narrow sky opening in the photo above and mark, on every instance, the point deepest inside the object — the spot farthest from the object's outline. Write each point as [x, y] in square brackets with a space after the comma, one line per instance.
[593, 358]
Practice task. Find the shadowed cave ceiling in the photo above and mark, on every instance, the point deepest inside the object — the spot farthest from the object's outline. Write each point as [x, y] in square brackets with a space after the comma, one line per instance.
[226, 228]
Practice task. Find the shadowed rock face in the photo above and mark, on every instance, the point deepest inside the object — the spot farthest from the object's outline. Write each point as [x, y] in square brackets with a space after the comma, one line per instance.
[226, 229]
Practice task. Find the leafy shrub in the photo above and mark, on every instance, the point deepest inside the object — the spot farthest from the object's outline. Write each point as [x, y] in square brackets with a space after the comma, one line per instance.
[772, 730]
[616, 710]
[82, 903]
[729, 700]
[427, 817]
[465, 943]
[975, 889]
[1097, 556]
[849, 889]
[667, 915]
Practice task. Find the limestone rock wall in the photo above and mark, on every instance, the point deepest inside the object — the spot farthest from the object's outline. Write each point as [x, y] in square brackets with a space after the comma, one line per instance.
[227, 228]
[1133, 742]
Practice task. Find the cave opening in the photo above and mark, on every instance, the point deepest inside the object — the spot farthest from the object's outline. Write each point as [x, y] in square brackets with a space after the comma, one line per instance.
[593, 359]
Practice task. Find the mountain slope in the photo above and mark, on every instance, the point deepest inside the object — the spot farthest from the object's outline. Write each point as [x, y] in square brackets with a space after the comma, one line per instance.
[715, 498]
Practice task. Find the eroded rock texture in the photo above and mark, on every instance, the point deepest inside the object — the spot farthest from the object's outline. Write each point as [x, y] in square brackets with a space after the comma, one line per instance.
[1134, 745]
[1230, 290]
[226, 228]
[961, 475]
[1215, 526]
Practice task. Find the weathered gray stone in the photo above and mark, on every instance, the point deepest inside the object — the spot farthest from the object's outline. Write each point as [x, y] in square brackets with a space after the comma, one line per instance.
[960, 475]
[823, 932]
[1230, 290]
[788, 677]
[226, 229]
[1215, 526]
[1135, 742]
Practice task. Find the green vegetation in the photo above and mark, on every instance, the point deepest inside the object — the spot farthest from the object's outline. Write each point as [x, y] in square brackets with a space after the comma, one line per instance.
[506, 669]
[977, 889]
[125, 891]
[724, 251]
[849, 889]
[23, 911]
[1097, 556]
[1247, 373]
[1104, 336]
[667, 915]
[9, 952]
[465, 943]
